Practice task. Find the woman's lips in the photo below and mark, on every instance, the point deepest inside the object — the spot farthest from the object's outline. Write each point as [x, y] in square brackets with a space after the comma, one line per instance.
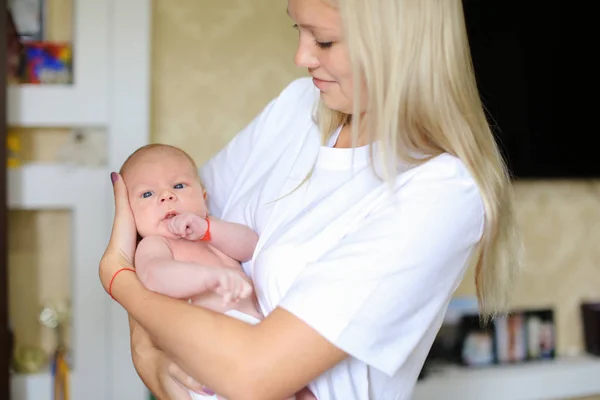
[322, 84]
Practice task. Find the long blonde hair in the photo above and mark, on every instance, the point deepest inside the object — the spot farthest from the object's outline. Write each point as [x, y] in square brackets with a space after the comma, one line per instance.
[413, 58]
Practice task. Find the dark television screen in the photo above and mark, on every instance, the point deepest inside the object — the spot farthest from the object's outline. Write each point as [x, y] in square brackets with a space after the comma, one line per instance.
[514, 51]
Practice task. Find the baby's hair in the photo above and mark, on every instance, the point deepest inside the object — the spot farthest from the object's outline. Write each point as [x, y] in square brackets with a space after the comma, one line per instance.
[155, 147]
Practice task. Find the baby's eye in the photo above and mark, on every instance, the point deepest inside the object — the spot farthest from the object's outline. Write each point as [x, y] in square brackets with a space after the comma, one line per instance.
[145, 195]
[179, 186]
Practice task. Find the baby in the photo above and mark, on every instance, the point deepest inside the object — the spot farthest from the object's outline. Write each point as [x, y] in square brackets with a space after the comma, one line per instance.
[182, 252]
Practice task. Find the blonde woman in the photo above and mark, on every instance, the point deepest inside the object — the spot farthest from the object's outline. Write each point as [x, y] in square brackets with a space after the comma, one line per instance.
[373, 185]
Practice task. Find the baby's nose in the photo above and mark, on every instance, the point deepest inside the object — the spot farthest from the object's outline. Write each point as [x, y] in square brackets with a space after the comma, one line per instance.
[167, 196]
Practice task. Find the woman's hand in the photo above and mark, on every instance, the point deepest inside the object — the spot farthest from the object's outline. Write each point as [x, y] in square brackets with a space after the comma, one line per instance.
[176, 382]
[170, 382]
[121, 247]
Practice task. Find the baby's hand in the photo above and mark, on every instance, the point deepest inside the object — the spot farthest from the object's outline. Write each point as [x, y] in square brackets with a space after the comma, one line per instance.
[231, 284]
[188, 226]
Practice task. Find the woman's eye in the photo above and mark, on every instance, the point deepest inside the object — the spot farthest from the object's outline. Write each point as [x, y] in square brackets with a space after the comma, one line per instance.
[179, 186]
[145, 195]
[323, 45]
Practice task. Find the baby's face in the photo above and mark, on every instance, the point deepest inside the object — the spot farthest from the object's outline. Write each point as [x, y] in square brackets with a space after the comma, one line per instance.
[161, 186]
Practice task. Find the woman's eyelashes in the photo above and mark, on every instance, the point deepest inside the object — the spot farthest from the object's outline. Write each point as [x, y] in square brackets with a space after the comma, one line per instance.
[322, 45]
[149, 193]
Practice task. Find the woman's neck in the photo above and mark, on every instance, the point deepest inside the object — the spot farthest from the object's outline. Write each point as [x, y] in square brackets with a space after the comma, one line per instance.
[344, 140]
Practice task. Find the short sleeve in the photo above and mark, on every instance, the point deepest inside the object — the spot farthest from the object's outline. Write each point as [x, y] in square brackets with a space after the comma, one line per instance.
[219, 174]
[385, 285]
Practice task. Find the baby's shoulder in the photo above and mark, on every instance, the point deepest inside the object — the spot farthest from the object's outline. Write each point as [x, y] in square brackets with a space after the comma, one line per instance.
[153, 243]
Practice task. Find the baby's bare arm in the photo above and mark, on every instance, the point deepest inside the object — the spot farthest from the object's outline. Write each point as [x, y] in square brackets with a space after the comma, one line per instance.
[160, 272]
[236, 240]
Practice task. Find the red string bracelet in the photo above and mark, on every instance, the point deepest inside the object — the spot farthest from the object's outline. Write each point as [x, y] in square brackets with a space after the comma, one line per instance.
[206, 236]
[113, 278]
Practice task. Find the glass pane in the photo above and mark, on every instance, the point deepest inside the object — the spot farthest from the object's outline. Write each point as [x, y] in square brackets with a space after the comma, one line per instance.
[40, 47]
[39, 277]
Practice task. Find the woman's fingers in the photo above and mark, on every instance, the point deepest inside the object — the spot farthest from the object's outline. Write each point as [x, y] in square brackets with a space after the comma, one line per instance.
[124, 232]
[121, 247]
[187, 381]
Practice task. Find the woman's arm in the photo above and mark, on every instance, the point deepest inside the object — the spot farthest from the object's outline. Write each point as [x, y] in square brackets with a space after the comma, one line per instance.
[151, 363]
[271, 360]
[146, 358]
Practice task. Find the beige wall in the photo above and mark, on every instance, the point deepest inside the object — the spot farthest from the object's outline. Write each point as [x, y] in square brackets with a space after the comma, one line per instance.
[39, 271]
[561, 227]
[214, 66]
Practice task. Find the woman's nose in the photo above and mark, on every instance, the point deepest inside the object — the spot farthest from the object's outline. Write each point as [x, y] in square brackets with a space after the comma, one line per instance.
[305, 56]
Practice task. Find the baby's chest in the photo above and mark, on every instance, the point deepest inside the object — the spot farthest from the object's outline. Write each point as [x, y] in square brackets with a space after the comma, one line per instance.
[199, 253]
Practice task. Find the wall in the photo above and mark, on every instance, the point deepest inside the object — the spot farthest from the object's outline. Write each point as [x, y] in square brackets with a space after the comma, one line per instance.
[215, 65]
[560, 222]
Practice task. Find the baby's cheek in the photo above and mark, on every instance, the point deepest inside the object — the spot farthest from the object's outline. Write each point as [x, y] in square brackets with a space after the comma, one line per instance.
[143, 223]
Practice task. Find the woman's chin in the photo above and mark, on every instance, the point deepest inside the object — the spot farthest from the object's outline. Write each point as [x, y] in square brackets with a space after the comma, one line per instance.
[336, 102]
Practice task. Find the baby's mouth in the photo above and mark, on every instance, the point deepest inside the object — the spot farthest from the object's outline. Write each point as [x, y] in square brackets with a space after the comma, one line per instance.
[170, 215]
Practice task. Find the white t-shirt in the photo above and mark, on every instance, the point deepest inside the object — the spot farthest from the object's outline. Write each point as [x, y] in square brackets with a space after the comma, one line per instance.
[371, 268]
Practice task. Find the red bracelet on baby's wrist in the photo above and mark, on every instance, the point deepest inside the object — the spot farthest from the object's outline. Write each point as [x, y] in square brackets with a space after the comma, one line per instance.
[113, 279]
[206, 236]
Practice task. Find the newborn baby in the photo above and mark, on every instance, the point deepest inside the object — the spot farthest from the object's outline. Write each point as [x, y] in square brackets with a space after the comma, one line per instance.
[182, 252]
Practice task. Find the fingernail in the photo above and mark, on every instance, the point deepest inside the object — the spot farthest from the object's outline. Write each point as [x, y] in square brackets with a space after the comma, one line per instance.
[113, 177]
[208, 391]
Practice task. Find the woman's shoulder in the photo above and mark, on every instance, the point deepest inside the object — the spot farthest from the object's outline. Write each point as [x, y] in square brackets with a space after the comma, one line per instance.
[447, 166]
[444, 166]
[444, 176]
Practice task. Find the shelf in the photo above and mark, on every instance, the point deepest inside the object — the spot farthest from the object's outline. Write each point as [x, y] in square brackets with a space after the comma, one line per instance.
[563, 378]
[49, 186]
[55, 106]
[84, 103]
[31, 386]
[560, 379]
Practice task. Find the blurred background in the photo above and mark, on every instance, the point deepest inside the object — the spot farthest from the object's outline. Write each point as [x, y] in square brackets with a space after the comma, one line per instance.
[88, 81]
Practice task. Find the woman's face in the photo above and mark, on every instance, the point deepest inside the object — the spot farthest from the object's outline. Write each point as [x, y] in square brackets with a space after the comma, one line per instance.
[323, 51]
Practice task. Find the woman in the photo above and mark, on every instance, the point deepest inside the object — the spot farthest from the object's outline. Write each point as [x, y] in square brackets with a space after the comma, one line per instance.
[369, 209]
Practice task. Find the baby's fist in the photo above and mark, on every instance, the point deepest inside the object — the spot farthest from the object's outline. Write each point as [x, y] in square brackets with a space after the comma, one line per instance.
[188, 226]
[233, 285]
